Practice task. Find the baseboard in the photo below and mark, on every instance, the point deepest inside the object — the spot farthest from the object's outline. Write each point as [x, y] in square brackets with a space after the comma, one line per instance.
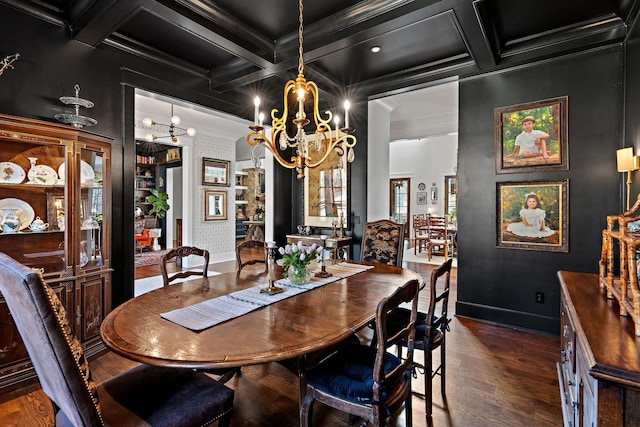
[508, 317]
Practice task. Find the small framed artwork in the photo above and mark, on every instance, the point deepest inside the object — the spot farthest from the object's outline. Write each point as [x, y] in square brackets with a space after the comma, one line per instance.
[215, 205]
[532, 137]
[533, 215]
[215, 172]
[173, 154]
[422, 198]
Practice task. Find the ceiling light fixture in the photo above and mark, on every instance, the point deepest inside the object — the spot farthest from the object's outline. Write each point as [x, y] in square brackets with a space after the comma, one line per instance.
[375, 49]
[310, 151]
[174, 130]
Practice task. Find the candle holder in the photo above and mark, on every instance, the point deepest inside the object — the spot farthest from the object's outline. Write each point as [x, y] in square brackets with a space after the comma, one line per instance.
[323, 273]
[271, 289]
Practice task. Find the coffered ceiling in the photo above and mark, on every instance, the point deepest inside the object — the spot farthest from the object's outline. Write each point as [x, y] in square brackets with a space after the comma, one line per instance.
[233, 50]
[248, 46]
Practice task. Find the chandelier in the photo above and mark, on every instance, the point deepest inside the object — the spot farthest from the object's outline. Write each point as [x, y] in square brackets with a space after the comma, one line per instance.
[174, 130]
[311, 150]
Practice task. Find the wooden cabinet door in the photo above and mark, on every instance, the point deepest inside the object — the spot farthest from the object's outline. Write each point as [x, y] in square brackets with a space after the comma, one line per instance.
[91, 305]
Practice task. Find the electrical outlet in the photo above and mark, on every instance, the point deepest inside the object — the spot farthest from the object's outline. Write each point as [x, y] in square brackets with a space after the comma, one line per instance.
[540, 297]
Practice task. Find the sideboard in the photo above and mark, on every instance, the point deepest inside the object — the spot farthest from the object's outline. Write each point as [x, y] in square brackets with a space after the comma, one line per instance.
[599, 371]
[340, 246]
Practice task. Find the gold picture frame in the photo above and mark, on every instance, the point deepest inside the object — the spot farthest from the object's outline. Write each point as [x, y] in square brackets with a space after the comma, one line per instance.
[549, 121]
[533, 215]
[215, 172]
[215, 205]
[326, 193]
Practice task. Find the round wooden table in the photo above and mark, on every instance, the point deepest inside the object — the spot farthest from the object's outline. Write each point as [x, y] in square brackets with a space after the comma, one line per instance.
[289, 328]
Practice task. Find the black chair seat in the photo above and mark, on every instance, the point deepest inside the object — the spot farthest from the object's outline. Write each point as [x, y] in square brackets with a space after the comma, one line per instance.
[131, 398]
[398, 317]
[349, 375]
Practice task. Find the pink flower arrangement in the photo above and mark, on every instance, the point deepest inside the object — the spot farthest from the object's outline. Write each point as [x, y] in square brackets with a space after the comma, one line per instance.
[298, 255]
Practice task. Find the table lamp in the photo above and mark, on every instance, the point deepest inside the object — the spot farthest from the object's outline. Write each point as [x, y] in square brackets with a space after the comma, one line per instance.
[627, 162]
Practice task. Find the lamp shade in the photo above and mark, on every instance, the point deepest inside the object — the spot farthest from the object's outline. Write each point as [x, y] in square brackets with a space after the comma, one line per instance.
[627, 161]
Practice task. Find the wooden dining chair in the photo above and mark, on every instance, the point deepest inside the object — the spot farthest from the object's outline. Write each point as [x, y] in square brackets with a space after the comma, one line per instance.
[431, 330]
[420, 233]
[383, 242]
[250, 252]
[365, 381]
[440, 240]
[223, 374]
[180, 252]
[142, 396]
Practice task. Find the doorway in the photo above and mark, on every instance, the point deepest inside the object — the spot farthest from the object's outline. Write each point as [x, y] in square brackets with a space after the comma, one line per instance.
[451, 198]
[400, 202]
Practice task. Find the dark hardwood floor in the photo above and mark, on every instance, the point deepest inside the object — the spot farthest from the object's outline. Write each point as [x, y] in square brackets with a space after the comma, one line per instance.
[496, 376]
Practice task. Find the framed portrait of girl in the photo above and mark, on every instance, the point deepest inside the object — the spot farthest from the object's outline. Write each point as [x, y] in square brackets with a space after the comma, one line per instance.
[533, 215]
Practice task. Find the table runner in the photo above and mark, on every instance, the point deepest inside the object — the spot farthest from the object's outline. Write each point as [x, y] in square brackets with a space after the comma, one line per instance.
[206, 314]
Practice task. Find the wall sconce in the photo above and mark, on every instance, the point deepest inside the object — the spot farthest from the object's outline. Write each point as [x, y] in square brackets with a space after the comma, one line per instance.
[434, 193]
[627, 162]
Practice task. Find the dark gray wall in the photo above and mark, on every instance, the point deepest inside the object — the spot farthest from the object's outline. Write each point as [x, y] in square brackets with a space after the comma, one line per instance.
[49, 66]
[498, 284]
[494, 284]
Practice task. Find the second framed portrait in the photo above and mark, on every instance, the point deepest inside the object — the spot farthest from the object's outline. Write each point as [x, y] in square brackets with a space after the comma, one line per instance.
[532, 137]
[215, 205]
[533, 215]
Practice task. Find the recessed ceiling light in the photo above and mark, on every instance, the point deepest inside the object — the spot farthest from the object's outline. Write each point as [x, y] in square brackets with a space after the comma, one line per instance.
[375, 49]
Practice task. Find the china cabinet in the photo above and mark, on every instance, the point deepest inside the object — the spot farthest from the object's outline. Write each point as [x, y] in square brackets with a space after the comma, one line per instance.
[55, 180]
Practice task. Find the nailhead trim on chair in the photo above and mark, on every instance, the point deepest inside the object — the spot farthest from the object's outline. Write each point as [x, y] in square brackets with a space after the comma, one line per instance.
[74, 346]
[228, 411]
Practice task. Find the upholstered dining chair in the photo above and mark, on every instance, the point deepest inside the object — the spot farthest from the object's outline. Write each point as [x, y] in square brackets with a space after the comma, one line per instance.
[183, 251]
[142, 396]
[222, 375]
[431, 330]
[366, 381]
[250, 252]
[383, 242]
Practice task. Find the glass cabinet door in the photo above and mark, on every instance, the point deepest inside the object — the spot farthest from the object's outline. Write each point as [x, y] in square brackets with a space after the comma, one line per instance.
[33, 215]
[91, 208]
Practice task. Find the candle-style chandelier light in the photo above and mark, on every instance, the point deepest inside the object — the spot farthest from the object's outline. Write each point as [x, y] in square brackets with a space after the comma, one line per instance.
[174, 131]
[311, 150]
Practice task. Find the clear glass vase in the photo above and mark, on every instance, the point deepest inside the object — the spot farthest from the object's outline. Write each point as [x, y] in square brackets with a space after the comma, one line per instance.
[299, 275]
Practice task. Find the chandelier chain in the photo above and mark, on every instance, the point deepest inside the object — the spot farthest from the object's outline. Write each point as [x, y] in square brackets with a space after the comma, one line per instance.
[325, 139]
[300, 39]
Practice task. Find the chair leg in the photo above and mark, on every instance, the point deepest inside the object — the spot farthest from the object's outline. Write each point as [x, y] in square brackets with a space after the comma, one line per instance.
[408, 408]
[306, 407]
[428, 385]
[442, 367]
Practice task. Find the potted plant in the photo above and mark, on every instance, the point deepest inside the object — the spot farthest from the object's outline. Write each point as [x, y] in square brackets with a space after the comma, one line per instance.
[159, 208]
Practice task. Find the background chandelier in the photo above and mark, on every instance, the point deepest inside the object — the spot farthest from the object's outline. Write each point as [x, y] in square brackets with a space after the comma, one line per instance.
[174, 130]
[312, 150]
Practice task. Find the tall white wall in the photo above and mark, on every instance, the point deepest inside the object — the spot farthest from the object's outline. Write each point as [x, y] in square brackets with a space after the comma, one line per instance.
[428, 161]
[378, 161]
[218, 237]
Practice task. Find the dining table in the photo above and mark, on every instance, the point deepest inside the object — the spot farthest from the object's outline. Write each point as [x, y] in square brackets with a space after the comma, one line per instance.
[293, 327]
